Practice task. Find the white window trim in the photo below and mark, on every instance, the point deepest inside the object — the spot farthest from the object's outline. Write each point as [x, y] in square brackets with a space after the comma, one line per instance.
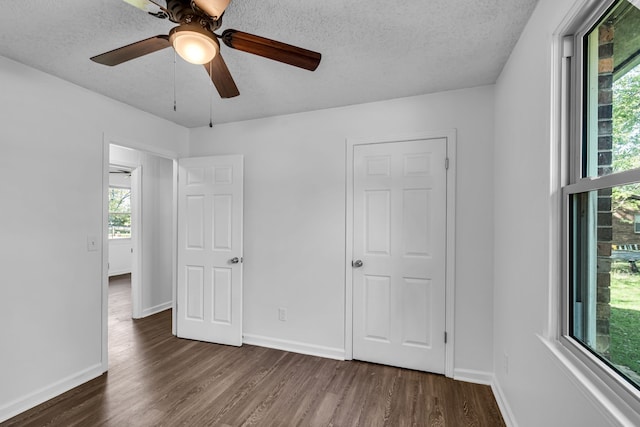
[614, 398]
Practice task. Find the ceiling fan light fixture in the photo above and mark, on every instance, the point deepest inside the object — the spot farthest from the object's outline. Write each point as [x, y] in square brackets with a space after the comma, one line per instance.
[213, 8]
[194, 43]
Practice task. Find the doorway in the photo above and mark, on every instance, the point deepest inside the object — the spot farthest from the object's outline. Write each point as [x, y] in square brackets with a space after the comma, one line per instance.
[125, 223]
[400, 235]
[152, 234]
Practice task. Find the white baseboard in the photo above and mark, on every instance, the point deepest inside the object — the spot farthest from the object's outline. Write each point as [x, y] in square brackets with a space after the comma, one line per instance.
[157, 309]
[24, 403]
[472, 376]
[505, 409]
[487, 378]
[294, 346]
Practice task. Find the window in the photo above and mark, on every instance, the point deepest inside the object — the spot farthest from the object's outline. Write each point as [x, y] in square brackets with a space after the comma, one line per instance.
[119, 213]
[602, 294]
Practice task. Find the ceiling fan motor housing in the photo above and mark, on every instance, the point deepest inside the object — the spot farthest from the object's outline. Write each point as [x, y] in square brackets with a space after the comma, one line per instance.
[185, 12]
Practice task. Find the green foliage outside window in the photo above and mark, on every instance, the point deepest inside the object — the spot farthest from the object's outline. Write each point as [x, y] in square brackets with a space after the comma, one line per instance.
[626, 126]
[626, 136]
[119, 213]
[625, 284]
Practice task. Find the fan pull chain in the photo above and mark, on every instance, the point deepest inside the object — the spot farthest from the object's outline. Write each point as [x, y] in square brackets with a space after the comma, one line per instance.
[174, 80]
[211, 94]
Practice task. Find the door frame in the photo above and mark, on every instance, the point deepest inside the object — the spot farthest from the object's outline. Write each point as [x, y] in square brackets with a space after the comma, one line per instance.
[107, 140]
[450, 136]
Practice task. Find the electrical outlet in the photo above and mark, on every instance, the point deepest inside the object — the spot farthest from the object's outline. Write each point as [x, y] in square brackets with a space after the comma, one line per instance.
[282, 314]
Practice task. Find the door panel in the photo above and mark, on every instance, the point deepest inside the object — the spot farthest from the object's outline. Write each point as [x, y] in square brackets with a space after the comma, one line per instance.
[377, 311]
[209, 290]
[222, 295]
[399, 232]
[195, 293]
[223, 223]
[377, 222]
[195, 222]
[415, 222]
[416, 296]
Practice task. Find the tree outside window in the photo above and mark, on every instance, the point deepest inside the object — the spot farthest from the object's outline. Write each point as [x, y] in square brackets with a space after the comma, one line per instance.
[119, 213]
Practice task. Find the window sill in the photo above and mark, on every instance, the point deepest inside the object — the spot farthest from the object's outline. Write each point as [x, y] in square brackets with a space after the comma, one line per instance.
[609, 403]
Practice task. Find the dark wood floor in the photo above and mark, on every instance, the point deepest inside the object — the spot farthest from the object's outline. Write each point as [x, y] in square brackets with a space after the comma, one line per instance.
[157, 379]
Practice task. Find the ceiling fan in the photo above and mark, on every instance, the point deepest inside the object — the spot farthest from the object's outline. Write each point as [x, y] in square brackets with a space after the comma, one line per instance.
[195, 41]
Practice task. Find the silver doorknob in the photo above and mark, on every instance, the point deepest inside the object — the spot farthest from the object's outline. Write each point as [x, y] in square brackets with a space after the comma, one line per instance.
[357, 263]
[234, 260]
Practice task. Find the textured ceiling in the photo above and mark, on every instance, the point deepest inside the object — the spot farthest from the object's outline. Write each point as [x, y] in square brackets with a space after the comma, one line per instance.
[371, 50]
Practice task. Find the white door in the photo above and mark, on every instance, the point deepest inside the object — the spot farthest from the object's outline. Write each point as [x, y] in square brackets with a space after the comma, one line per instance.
[399, 245]
[209, 293]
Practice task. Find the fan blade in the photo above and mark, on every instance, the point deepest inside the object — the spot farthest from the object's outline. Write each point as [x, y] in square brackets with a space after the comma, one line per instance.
[221, 77]
[132, 51]
[148, 6]
[271, 49]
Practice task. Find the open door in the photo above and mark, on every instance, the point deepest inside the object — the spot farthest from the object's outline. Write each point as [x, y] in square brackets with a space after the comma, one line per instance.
[209, 285]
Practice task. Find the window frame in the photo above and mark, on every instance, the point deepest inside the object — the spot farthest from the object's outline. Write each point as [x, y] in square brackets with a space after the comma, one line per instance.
[109, 213]
[572, 127]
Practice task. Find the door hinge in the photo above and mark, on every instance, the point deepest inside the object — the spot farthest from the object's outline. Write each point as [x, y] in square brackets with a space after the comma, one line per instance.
[446, 163]
[445, 337]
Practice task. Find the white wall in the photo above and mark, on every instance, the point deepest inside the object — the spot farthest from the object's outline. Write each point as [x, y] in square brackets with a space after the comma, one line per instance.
[294, 223]
[536, 389]
[51, 290]
[120, 256]
[157, 228]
